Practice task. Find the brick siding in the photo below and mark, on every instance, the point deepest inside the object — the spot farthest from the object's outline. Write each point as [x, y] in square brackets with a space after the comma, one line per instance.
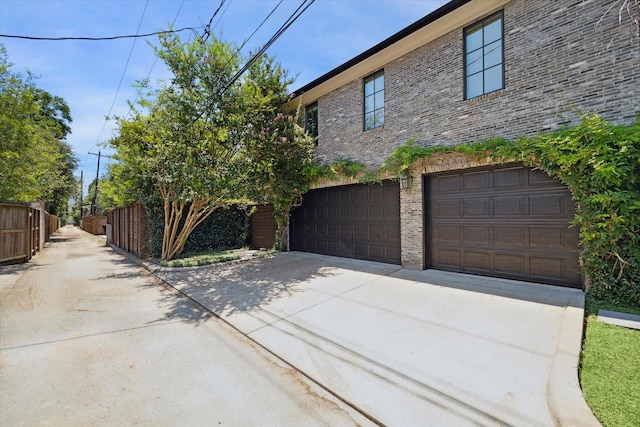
[556, 63]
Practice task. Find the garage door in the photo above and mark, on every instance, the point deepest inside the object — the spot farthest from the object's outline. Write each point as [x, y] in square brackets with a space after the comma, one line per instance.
[354, 221]
[510, 222]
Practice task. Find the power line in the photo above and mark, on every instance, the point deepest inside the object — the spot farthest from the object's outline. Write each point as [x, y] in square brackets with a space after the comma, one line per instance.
[139, 91]
[126, 65]
[133, 36]
[294, 16]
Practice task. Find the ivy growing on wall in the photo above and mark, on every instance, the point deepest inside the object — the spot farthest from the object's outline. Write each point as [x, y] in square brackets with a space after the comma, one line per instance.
[600, 164]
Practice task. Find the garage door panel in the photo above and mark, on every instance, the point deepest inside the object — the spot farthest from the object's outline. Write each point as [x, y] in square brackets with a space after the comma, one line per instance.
[509, 222]
[508, 178]
[477, 261]
[510, 264]
[475, 181]
[541, 179]
[546, 267]
[475, 235]
[362, 221]
[509, 236]
[447, 258]
[376, 213]
[446, 234]
[552, 205]
[509, 206]
[447, 184]
[360, 212]
[446, 209]
[392, 213]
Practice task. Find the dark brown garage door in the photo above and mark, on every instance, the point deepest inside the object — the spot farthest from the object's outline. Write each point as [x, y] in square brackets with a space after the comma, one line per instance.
[354, 221]
[510, 222]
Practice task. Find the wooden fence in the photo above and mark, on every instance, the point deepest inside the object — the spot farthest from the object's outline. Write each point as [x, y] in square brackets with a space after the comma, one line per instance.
[23, 230]
[127, 229]
[94, 224]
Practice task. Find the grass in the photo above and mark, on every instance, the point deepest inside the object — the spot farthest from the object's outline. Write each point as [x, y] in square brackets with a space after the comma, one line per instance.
[610, 368]
[203, 258]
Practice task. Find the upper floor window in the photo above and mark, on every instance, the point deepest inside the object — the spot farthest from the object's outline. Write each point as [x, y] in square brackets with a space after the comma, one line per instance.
[374, 101]
[311, 120]
[483, 52]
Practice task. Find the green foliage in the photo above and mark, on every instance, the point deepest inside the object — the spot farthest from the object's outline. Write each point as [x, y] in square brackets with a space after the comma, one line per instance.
[401, 159]
[340, 167]
[600, 164]
[193, 259]
[35, 161]
[226, 228]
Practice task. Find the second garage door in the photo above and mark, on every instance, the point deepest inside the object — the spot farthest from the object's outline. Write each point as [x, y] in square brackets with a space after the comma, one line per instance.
[354, 221]
[510, 222]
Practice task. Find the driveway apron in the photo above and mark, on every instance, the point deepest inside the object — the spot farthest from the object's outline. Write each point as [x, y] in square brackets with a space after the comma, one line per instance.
[408, 347]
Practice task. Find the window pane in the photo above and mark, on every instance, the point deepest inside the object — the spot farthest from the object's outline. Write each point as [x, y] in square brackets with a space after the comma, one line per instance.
[473, 39]
[379, 83]
[368, 104]
[493, 54]
[493, 79]
[474, 85]
[379, 99]
[379, 117]
[368, 87]
[474, 62]
[368, 121]
[493, 31]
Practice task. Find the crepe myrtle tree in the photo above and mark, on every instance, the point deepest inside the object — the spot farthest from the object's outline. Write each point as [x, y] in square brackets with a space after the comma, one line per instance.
[195, 136]
[277, 151]
[180, 138]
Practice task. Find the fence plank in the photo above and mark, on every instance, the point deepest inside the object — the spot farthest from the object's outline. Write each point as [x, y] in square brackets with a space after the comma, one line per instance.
[129, 229]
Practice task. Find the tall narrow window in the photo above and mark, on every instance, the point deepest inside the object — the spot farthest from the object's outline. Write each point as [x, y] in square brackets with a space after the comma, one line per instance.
[374, 101]
[483, 52]
[311, 120]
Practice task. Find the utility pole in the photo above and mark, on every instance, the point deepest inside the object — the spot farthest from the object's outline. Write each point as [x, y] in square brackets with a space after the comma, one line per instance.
[95, 193]
[81, 191]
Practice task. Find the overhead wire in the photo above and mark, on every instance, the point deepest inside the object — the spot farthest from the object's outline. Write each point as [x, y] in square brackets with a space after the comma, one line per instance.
[121, 77]
[132, 36]
[294, 16]
[155, 60]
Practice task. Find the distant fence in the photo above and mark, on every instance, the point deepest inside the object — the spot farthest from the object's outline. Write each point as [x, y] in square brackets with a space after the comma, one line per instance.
[94, 224]
[127, 229]
[23, 230]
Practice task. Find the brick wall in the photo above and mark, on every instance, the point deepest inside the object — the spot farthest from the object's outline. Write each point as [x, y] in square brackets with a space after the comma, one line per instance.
[556, 61]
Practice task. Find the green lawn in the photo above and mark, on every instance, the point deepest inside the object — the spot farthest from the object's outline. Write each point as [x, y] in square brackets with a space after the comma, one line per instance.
[610, 373]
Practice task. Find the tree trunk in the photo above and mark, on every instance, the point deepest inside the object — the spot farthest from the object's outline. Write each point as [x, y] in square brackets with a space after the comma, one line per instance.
[175, 236]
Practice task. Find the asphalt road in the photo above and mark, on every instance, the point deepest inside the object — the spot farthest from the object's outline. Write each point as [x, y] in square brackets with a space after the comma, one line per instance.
[87, 338]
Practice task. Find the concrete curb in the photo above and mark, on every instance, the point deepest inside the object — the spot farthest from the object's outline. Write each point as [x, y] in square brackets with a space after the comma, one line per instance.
[564, 395]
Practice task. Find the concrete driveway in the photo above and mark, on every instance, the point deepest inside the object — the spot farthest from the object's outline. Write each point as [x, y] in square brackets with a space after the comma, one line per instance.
[408, 347]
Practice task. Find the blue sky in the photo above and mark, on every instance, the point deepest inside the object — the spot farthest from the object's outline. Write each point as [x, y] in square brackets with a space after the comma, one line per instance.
[87, 73]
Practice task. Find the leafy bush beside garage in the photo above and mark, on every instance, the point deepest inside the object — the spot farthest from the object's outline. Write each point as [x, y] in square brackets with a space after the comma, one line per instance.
[600, 164]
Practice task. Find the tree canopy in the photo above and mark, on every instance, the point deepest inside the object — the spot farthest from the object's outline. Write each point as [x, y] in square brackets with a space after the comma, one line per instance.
[208, 138]
[36, 162]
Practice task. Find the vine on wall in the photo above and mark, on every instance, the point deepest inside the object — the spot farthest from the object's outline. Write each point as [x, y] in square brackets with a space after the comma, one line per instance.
[600, 164]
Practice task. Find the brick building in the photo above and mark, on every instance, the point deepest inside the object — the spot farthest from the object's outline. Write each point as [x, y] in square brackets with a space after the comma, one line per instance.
[471, 70]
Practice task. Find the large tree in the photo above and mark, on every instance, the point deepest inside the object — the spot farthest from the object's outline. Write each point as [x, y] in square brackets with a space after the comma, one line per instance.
[188, 137]
[36, 163]
[212, 136]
